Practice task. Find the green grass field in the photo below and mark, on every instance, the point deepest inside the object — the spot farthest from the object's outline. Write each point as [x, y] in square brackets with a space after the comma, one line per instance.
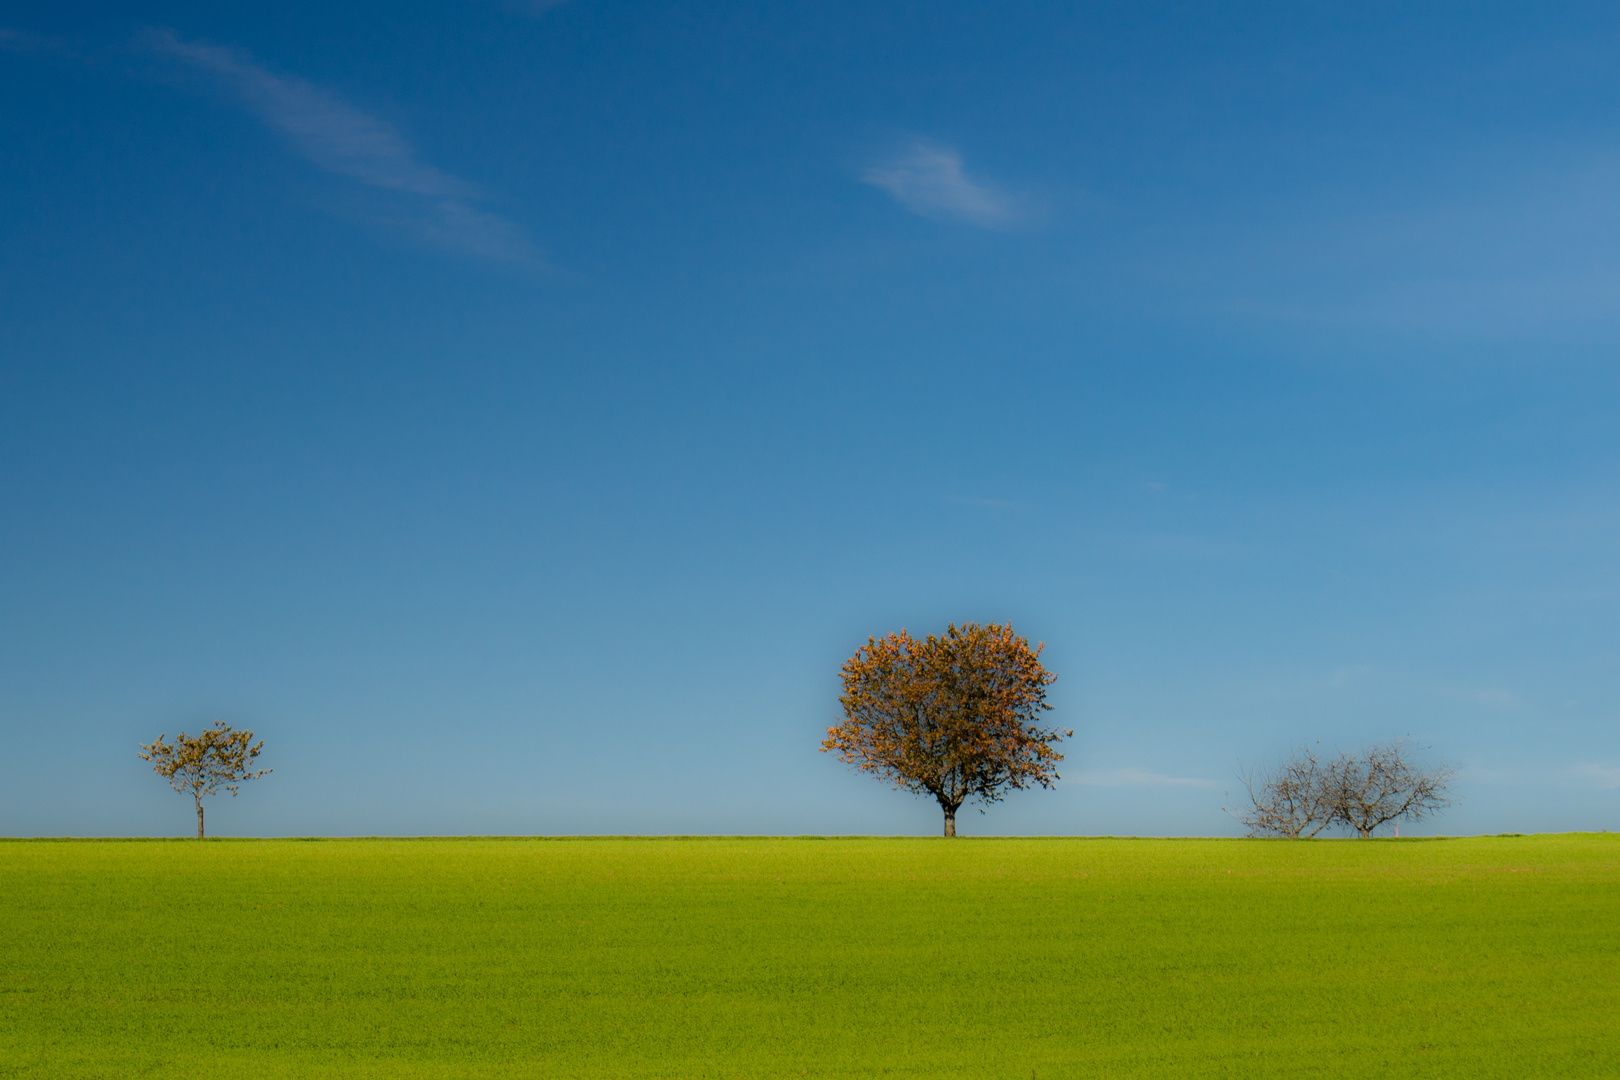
[766, 957]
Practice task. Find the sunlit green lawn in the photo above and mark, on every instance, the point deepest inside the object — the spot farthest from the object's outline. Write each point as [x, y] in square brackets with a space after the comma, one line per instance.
[748, 957]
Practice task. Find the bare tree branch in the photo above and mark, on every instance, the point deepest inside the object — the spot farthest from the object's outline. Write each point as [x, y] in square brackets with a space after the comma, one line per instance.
[1382, 784]
[1360, 792]
[1290, 801]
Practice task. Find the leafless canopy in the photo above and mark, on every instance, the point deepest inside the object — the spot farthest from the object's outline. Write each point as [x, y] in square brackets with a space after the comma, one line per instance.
[202, 764]
[1362, 792]
[1290, 800]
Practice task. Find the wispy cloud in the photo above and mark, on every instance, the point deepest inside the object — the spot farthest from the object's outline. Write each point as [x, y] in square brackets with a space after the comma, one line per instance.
[533, 7]
[21, 41]
[1137, 778]
[988, 504]
[342, 139]
[1475, 774]
[1604, 776]
[929, 180]
[1504, 700]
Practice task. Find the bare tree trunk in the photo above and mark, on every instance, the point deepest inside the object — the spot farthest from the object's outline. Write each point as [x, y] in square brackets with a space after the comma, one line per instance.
[950, 821]
[199, 820]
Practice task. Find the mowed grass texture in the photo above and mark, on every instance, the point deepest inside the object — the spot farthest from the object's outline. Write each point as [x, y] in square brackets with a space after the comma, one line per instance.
[793, 957]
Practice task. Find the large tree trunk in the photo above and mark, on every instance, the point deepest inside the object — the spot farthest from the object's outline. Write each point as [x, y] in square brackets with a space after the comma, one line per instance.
[199, 820]
[950, 821]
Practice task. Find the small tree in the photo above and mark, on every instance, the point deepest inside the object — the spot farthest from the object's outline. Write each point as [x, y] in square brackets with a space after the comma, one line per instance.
[1289, 801]
[954, 717]
[201, 765]
[1361, 792]
[1384, 784]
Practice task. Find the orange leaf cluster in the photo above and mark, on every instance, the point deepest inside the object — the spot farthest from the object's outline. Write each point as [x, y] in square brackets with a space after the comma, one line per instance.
[955, 716]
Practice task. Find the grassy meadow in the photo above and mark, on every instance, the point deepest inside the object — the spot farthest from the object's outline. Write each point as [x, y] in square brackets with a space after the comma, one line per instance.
[1490, 957]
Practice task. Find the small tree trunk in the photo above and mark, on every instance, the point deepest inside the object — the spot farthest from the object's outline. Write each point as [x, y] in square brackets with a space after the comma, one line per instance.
[950, 821]
[199, 820]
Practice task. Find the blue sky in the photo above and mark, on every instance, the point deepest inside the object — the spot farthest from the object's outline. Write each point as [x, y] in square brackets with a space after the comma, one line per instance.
[516, 412]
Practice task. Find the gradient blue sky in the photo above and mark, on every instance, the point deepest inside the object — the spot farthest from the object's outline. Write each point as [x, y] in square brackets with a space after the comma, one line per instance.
[517, 412]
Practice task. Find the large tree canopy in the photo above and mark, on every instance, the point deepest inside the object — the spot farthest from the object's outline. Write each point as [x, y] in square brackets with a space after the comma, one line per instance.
[955, 716]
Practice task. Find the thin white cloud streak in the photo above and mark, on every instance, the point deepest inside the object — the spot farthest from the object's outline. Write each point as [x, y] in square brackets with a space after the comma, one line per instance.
[331, 133]
[342, 139]
[21, 41]
[988, 504]
[479, 232]
[533, 7]
[1603, 776]
[1137, 778]
[1530, 253]
[929, 181]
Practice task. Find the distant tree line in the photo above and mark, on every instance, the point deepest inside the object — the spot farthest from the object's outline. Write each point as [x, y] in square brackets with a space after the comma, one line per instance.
[1307, 794]
[958, 717]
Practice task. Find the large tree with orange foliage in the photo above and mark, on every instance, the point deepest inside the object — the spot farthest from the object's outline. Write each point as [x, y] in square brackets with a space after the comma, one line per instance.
[955, 716]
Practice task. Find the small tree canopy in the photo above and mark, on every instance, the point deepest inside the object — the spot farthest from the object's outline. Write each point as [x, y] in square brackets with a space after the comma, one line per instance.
[1360, 792]
[953, 716]
[1292, 800]
[1384, 784]
[200, 765]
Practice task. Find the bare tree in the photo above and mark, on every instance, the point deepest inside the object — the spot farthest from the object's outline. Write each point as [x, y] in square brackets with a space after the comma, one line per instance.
[1384, 783]
[1289, 801]
[1306, 795]
[202, 764]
